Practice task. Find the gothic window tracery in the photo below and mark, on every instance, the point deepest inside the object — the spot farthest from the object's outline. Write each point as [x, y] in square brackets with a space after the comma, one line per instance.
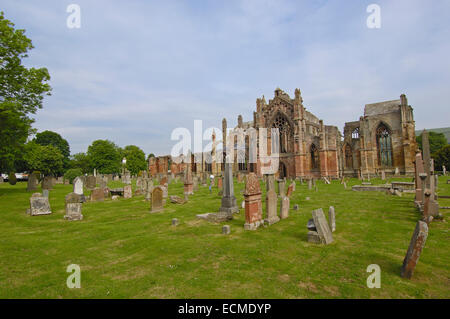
[283, 126]
[384, 146]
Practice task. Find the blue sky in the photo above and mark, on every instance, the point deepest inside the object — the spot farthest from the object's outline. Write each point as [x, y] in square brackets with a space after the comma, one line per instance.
[136, 70]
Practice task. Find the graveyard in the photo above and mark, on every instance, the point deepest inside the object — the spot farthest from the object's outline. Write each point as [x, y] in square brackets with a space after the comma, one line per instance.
[126, 251]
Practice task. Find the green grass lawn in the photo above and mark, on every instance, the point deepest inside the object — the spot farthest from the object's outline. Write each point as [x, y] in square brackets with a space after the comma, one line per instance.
[126, 252]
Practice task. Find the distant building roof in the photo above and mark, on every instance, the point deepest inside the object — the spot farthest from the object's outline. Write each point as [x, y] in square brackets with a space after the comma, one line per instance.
[444, 130]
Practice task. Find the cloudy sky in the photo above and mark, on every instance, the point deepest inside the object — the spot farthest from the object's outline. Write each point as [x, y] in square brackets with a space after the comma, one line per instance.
[136, 70]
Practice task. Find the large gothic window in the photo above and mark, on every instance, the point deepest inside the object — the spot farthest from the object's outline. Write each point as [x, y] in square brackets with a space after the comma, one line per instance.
[384, 146]
[314, 156]
[282, 124]
[348, 156]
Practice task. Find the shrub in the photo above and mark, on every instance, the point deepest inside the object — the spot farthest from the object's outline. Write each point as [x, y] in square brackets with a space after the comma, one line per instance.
[72, 173]
[12, 178]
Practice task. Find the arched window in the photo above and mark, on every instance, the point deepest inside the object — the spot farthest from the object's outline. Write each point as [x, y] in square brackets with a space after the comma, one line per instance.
[384, 146]
[314, 156]
[355, 133]
[282, 124]
[348, 156]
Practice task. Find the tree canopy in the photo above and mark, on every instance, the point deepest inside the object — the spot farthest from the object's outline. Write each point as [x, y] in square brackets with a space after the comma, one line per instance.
[22, 91]
[135, 159]
[104, 156]
[437, 141]
[46, 159]
[54, 139]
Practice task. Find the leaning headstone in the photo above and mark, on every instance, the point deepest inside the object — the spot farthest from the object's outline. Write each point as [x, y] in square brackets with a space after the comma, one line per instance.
[284, 207]
[271, 207]
[226, 229]
[332, 218]
[290, 189]
[39, 205]
[253, 205]
[97, 195]
[73, 207]
[322, 226]
[91, 182]
[33, 182]
[127, 191]
[157, 199]
[416, 245]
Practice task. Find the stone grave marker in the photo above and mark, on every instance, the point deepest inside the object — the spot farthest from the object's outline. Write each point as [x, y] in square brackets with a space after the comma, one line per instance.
[284, 207]
[157, 199]
[415, 248]
[321, 224]
[127, 191]
[253, 205]
[91, 182]
[39, 205]
[97, 195]
[271, 207]
[332, 218]
[73, 207]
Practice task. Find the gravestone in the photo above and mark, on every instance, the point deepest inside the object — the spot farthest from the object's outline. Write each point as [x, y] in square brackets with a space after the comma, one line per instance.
[73, 207]
[290, 189]
[321, 224]
[47, 183]
[415, 248]
[195, 183]
[270, 182]
[220, 183]
[157, 199]
[33, 182]
[253, 205]
[39, 205]
[188, 182]
[97, 195]
[127, 191]
[177, 200]
[175, 222]
[284, 207]
[309, 184]
[149, 190]
[139, 185]
[444, 170]
[313, 237]
[163, 181]
[281, 188]
[91, 182]
[45, 192]
[226, 229]
[332, 219]
[419, 169]
[397, 171]
[271, 207]
[229, 204]
[165, 190]
[103, 182]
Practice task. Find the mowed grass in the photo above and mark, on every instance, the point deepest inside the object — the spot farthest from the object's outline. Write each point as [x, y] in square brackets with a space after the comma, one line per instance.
[126, 252]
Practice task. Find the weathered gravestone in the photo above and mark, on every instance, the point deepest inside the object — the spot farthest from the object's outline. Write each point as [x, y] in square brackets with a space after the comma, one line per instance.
[97, 195]
[47, 183]
[220, 183]
[383, 175]
[290, 190]
[127, 191]
[91, 182]
[45, 192]
[284, 207]
[149, 190]
[226, 229]
[188, 182]
[177, 200]
[332, 218]
[39, 205]
[73, 207]
[33, 182]
[322, 228]
[270, 182]
[416, 245]
[281, 188]
[229, 204]
[157, 199]
[271, 207]
[253, 205]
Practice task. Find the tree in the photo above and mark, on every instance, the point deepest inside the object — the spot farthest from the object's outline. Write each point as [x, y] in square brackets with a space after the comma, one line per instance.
[81, 161]
[135, 159]
[104, 156]
[437, 141]
[442, 157]
[22, 91]
[47, 159]
[53, 138]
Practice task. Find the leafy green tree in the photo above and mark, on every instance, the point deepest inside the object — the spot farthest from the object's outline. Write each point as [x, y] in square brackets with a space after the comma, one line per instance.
[442, 157]
[53, 138]
[22, 91]
[47, 159]
[437, 141]
[135, 159]
[104, 156]
[81, 161]
[72, 173]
